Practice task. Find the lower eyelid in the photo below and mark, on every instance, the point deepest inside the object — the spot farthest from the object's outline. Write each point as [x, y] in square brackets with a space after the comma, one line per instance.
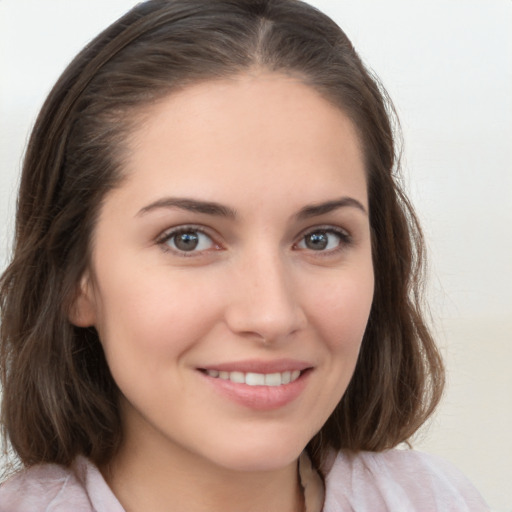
[345, 239]
[344, 236]
[164, 239]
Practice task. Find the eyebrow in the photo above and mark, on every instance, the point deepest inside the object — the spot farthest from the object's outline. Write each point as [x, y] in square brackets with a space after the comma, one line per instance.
[219, 210]
[316, 210]
[191, 205]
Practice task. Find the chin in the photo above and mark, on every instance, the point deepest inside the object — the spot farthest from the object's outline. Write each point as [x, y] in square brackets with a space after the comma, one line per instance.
[260, 457]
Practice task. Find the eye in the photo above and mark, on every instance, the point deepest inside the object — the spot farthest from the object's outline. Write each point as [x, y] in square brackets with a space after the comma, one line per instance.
[323, 240]
[187, 240]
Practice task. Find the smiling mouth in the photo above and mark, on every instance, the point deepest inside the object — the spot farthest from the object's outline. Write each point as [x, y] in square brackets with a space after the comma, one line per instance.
[256, 379]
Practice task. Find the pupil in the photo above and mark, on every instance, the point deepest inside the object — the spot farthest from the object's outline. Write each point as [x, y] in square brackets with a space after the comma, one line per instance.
[316, 241]
[186, 241]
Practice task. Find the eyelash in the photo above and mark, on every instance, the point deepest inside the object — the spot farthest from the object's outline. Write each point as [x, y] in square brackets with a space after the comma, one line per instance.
[345, 240]
[163, 240]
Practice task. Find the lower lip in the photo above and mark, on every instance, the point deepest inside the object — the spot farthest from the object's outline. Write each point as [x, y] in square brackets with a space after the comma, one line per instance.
[261, 398]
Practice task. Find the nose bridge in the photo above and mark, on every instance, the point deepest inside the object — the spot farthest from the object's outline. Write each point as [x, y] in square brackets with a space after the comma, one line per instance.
[264, 302]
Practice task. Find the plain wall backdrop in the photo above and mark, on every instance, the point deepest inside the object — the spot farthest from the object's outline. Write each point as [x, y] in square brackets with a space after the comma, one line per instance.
[447, 64]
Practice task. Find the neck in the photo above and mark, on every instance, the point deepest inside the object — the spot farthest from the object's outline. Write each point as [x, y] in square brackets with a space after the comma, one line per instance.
[152, 475]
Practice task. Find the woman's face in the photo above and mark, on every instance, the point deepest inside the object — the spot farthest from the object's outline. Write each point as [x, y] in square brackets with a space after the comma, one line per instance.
[231, 275]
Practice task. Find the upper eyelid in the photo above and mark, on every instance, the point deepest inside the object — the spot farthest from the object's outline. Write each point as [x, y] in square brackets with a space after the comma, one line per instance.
[211, 233]
[162, 241]
[180, 228]
[346, 239]
[325, 227]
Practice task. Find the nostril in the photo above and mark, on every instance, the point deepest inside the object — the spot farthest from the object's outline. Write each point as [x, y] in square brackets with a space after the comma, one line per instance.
[265, 323]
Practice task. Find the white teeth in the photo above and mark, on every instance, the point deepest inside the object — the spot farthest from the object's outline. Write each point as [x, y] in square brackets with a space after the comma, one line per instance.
[273, 379]
[256, 379]
[237, 377]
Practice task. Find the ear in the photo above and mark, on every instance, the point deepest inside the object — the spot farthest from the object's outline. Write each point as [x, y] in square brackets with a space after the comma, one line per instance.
[82, 312]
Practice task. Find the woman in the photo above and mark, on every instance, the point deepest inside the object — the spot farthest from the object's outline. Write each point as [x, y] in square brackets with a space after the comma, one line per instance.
[214, 299]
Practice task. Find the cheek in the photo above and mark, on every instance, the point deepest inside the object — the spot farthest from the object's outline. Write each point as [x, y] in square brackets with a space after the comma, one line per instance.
[342, 312]
[152, 315]
[339, 315]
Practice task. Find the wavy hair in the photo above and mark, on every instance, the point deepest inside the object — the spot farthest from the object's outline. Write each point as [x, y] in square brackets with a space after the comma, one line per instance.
[59, 398]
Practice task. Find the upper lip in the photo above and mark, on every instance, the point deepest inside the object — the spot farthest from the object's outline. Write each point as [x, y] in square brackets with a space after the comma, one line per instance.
[259, 366]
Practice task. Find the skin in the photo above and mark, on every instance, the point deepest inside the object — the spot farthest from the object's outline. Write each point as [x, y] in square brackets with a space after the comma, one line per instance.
[266, 147]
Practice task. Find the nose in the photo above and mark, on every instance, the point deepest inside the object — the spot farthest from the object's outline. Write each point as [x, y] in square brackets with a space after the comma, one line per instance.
[264, 303]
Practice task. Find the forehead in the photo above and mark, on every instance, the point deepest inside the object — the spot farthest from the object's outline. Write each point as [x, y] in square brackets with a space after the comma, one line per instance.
[250, 135]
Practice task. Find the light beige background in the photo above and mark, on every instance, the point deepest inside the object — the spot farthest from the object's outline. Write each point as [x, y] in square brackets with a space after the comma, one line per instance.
[448, 66]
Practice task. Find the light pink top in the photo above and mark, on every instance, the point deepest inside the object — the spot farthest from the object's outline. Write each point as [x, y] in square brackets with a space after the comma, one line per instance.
[395, 481]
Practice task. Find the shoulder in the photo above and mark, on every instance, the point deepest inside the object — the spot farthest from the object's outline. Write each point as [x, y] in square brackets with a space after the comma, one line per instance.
[54, 488]
[43, 488]
[398, 481]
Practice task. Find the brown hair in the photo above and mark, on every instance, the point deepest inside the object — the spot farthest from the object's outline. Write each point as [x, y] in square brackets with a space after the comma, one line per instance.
[59, 399]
